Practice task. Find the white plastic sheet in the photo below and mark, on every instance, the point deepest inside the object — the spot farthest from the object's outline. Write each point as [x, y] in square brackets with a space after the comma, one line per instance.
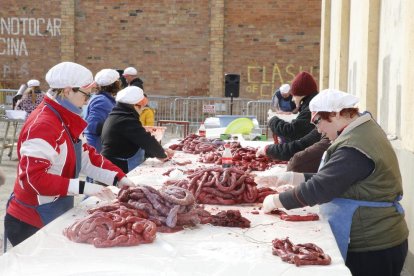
[202, 250]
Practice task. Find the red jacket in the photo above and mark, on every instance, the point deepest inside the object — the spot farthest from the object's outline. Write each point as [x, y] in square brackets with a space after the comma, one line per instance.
[47, 160]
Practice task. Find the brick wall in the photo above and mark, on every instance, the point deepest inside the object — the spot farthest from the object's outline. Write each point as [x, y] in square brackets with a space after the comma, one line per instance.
[179, 47]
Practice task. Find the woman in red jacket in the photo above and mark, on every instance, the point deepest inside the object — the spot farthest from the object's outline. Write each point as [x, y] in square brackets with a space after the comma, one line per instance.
[51, 156]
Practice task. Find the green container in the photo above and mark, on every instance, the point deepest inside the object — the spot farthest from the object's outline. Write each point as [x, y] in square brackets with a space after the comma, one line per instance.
[224, 136]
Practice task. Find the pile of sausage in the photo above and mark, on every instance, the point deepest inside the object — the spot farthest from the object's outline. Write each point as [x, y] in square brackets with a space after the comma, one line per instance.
[229, 218]
[116, 226]
[195, 144]
[243, 158]
[216, 185]
[299, 254]
[170, 206]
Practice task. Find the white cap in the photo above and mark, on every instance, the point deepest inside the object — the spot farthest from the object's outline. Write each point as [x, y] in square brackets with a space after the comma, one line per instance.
[106, 77]
[285, 88]
[332, 100]
[130, 71]
[69, 74]
[32, 83]
[130, 95]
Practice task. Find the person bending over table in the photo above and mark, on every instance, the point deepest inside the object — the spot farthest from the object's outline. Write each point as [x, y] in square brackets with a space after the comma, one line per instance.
[124, 140]
[303, 89]
[51, 156]
[101, 105]
[358, 187]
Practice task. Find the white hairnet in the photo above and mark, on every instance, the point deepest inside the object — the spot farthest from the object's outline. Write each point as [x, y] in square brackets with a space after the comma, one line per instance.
[332, 100]
[69, 74]
[285, 88]
[130, 71]
[106, 77]
[130, 95]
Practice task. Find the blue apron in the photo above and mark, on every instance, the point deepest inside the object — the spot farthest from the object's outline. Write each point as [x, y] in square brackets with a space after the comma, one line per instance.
[52, 210]
[135, 160]
[339, 213]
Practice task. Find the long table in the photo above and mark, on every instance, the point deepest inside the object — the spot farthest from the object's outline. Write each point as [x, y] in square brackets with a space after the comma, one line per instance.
[200, 250]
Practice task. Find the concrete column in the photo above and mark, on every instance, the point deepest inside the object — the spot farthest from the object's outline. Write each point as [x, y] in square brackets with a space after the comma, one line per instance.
[67, 44]
[216, 48]
[342, 72]
[370, 79]
[407, 100]
[325, 44]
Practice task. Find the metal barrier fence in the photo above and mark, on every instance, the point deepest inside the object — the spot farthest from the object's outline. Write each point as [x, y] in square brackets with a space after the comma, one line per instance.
[6, 97]
[163, 106]
[197, 109]
[259, 109]
[192, 109]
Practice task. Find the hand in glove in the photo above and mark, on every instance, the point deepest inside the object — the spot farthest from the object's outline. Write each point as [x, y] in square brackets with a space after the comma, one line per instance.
[169, 153]
[105, 194]
[271, 202]
[261, 151]
[77, 187]
[125, 181]
[278, 179]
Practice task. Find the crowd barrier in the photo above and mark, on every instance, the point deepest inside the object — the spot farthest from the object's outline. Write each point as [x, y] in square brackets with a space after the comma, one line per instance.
[191, 109]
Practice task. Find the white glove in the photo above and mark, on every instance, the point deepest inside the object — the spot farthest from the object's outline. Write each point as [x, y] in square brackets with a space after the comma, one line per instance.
[271, 202]
[278, 179]
[125, 181]
[261, 151]
[169, 153]
[101, 192]
[90, 189]
[270, 114]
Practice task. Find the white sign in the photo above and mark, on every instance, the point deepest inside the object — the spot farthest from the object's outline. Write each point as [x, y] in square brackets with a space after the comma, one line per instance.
[209, 108]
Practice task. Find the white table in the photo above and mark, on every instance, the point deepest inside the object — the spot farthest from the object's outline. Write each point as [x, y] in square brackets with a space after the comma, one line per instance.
[202, 250]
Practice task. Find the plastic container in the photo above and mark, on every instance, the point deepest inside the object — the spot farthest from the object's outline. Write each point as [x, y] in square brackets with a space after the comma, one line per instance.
[227, 157]
[225, 120]
[156, 131]
[16, 114]
[202, 130]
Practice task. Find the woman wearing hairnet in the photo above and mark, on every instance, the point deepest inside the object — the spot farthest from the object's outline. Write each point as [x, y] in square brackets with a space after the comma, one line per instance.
[358, 187]
[31, 98]
[51, 156]
[124, 140]
[101, 105]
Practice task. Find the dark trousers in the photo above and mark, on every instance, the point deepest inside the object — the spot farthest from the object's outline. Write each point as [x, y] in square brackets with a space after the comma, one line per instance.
[387, 262]
[16, 230]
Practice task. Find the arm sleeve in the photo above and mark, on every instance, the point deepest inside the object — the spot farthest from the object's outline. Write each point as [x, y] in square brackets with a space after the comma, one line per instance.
[336, 177]
[98, 167]
[97, 113]
[285, 151]
[293, 130]
[143, 139]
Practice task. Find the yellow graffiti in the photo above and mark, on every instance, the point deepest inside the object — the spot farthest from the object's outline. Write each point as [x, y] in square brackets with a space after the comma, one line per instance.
[257, 76]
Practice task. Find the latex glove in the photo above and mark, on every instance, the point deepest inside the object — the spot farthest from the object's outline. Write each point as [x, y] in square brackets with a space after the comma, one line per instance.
[105, 194]
[261, 151]
[270, 114]
[271, 202]
[278, 179]
[125, 181]
[169, 153]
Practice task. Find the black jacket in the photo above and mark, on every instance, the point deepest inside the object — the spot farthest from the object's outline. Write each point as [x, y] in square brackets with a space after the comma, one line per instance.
[285, 151]
[123, 135]
[298, 127]
[137, 82]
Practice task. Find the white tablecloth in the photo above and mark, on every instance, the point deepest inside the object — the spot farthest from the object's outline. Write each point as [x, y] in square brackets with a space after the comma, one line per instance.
[202, 250]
